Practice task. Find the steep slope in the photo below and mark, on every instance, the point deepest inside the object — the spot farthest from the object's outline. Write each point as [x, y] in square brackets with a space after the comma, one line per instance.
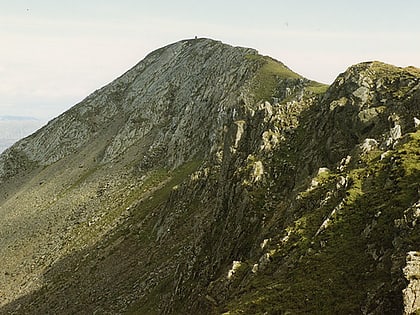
[67, 186]
[347, 241]
[209, 179]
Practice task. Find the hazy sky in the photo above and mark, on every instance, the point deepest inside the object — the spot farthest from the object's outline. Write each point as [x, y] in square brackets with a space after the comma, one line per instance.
[55, 53]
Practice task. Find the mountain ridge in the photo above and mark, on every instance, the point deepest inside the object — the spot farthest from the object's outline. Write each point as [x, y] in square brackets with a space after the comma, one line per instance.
[209, 179]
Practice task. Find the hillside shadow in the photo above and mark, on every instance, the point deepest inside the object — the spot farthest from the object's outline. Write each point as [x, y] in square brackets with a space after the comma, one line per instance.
[86, 281]
[130, 262]
[139, 259]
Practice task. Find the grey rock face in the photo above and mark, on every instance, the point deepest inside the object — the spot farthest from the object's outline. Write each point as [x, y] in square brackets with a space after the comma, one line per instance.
[167, 98]
[412, 292]
[364, 103]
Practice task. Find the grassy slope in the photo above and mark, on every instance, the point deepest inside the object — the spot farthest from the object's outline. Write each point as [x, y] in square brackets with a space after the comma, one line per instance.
[271, 73]
[332, 271]
[112, 255]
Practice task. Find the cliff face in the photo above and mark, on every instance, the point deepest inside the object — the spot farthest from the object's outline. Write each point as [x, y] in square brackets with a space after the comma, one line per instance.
[209, 179]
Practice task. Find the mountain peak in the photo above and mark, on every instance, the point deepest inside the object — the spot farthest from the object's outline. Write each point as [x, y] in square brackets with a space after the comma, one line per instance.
[209, 179]
[371, 71]
[198, 75]
[184, 85]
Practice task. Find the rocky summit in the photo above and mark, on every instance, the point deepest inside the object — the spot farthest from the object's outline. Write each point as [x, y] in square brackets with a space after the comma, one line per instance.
[209, 179]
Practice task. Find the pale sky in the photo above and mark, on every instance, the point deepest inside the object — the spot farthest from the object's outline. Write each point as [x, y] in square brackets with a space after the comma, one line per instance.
[55, 53]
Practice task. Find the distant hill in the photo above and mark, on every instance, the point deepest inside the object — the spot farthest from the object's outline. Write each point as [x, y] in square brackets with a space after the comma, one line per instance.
[14, 128]
[17, 118]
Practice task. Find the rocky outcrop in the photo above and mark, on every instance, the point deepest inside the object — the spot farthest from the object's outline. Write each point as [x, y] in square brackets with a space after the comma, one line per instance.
[209, 179]
[412, 274]
[370, 100]
[166, 98]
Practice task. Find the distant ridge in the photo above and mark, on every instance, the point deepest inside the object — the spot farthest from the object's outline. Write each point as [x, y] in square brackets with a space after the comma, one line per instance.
[18, 118]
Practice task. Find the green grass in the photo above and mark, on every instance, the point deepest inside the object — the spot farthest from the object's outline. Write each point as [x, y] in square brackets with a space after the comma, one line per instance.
[271, 72]
[333, 272]
[83, 178]
[411, 153]
[168, 180]
[155, 200]
[317, 88]
[393, 71]
[393, 74]
[149, 194]
[268, 76]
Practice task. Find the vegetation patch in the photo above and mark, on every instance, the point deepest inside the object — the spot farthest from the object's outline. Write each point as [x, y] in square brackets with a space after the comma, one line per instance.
[268, 76]
[317, 88]
[333, 271]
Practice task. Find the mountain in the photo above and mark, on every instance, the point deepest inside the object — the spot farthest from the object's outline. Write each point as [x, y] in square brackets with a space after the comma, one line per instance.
[14, 128]
[209, 179]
